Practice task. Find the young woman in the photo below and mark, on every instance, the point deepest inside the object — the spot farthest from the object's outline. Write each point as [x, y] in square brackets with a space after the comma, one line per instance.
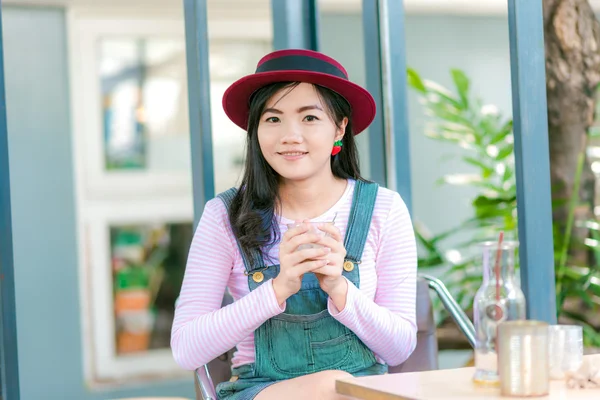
[311, 305]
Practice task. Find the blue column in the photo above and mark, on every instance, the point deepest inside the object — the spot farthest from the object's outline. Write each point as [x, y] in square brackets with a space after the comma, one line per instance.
[295, 24]
[9, 373]
[197, 50]
[389, 136]
[532, 159]
[374, 74]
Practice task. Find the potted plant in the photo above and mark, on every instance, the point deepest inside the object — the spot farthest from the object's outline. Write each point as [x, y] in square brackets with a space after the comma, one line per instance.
[480, 129]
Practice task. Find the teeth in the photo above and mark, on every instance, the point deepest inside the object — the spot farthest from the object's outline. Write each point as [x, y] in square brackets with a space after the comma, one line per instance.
[292, 154]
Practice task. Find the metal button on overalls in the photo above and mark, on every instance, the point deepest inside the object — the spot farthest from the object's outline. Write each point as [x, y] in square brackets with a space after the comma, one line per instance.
[348, 266]
[258, 277]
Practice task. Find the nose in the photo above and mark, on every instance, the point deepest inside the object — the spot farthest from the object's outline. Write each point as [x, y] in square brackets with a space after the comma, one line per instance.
[292, 133]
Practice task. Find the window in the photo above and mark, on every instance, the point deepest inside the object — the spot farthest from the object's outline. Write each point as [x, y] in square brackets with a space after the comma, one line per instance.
[134, 195]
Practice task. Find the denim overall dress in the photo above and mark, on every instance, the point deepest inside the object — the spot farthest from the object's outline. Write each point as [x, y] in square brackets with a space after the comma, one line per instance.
[305, 338]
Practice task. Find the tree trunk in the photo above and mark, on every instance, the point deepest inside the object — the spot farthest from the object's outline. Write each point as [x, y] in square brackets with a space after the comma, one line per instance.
[572, 39]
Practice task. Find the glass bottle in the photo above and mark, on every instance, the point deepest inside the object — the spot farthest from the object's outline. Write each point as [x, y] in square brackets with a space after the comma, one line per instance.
[499, 299]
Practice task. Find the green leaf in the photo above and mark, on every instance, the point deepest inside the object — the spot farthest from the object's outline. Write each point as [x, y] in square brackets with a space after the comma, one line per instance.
[502, 133]
[586, 298]
[490, 186]
[508, 174]
[591, 337]
[583, 274]
[456, 128]
[428, 244]
[486, 170]
[574, 315]
[439, 95]
[450, 114]
[486, 208]
[482, 201]
[462, 85]
[504, 152]
[433, 256]
[559, 202]
[414, 80]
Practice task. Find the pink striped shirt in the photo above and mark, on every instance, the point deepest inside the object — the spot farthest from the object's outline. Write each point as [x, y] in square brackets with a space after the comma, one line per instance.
[381, 313]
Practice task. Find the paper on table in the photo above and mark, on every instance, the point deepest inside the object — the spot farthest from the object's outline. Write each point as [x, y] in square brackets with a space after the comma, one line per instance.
[586, 377]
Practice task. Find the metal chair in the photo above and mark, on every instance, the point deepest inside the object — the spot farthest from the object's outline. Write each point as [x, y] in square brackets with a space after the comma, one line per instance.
[423, 358]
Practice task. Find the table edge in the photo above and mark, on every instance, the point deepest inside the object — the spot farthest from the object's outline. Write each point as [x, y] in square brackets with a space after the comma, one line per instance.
[348, 388]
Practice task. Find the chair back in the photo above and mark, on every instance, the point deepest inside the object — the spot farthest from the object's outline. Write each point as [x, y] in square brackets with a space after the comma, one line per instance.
[425, 355]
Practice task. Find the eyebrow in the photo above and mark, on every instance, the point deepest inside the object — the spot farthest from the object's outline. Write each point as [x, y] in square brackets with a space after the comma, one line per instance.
[301, 109]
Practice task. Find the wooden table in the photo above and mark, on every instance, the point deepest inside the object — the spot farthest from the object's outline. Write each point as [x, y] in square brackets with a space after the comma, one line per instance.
[449, 384]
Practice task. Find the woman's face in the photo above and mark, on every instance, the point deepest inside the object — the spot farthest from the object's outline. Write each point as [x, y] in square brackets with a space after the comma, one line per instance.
[296, 133]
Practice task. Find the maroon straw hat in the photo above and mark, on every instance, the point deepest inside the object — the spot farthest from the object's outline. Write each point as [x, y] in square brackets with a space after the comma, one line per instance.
[296, 65]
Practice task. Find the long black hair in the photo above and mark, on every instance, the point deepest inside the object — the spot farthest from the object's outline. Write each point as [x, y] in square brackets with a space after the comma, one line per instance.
[252, 212]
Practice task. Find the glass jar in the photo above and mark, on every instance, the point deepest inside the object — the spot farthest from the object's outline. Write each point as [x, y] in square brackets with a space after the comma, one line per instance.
[499, 299]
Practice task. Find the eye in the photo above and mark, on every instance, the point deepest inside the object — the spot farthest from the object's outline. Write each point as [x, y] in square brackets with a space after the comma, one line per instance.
[311, 118]
[272, 119]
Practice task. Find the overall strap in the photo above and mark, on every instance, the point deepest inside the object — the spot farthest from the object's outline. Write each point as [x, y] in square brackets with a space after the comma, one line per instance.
[256, 262]
[359, 221]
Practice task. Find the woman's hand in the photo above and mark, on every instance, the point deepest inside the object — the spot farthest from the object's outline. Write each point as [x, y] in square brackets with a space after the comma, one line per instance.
[293, 263]
[330, 276]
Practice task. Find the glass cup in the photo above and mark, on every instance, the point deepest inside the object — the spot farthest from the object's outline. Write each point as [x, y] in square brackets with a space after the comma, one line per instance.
[314, 229]
[523, 358]
[565, 349]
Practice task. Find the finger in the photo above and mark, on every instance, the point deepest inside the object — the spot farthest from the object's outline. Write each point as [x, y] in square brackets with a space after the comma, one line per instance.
[289, 239]
[332, 230]
[309, 266]
[309, 254]
[328, 270]
[304, 238]
[296, 230]
[334, 245]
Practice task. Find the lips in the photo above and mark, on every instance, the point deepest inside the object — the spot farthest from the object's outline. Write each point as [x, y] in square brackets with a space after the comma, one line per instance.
[292, 153]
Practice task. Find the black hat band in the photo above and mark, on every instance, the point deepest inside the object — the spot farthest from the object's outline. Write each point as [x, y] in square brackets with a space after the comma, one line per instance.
[302, 63]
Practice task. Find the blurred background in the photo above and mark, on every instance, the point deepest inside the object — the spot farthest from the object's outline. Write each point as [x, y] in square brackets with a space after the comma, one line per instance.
[98, 124]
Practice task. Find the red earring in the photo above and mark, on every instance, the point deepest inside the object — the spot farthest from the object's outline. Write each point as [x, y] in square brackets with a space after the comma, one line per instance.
[337, 147]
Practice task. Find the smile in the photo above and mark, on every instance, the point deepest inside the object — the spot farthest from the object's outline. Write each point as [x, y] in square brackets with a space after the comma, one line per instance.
[292, 155]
